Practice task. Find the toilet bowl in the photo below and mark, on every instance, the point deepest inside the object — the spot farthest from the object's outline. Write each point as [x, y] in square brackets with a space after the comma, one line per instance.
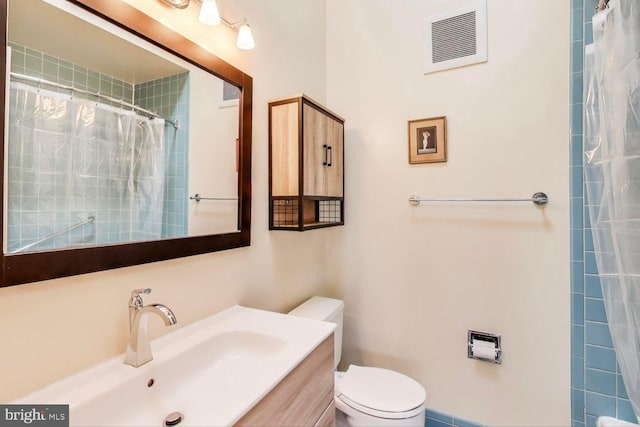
[366, 396]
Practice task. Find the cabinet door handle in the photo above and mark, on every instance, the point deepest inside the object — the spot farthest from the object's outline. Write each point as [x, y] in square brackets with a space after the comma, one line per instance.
[330, 156]
[324, 147]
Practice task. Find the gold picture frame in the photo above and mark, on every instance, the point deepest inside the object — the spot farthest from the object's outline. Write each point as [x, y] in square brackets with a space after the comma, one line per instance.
[428, 140]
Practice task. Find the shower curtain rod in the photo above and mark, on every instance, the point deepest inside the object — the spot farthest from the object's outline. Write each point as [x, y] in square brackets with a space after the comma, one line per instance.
[175, 123]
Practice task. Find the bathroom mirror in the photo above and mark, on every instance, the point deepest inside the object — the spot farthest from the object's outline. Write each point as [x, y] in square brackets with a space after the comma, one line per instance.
[124, 142]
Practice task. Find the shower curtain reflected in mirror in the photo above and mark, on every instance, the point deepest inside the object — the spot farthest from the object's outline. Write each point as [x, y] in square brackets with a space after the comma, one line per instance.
[612, 174]
[69, 158]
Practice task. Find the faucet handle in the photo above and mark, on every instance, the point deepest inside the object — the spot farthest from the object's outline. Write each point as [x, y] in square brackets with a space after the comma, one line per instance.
[136, 299]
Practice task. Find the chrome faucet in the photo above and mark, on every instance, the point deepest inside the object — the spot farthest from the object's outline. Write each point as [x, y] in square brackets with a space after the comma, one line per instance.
[139, 348]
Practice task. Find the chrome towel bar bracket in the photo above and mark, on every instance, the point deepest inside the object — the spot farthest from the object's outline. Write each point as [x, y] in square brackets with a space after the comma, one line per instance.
[539, 199]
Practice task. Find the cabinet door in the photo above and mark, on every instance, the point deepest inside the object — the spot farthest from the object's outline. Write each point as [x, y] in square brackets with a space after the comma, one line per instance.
[315, 151]
[284, 149]
[334, 170]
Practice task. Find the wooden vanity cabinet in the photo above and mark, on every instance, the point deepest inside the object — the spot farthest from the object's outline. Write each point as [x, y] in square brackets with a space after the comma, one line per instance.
[306, 165]
[303, 398]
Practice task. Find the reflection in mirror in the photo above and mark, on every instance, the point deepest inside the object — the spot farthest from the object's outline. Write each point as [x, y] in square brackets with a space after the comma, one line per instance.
[92, 182]
[110, 138]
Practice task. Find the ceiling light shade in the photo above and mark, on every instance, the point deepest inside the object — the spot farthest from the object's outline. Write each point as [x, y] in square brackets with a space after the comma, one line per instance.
[209, 14]
[245, 38]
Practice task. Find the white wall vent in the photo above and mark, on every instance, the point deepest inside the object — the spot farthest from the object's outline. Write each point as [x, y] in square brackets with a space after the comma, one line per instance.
[455, 38]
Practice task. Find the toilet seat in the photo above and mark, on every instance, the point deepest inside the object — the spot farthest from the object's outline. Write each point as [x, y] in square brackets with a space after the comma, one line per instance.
[380, 392]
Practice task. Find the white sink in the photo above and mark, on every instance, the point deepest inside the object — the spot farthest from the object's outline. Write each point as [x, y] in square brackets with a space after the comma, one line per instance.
[213, 372]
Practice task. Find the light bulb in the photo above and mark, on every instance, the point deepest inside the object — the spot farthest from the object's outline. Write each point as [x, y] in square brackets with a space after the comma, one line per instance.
[209, 14]
[245, 38]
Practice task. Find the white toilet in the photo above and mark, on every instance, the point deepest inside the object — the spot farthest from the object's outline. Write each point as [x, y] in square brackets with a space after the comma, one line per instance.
[367, 396]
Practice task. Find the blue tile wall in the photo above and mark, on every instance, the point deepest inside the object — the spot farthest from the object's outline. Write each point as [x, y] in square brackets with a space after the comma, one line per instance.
[600, 358]
[35, 192]
[169, 97]
[601, 382]
[597, 333]
[35, 63]
[596, 384]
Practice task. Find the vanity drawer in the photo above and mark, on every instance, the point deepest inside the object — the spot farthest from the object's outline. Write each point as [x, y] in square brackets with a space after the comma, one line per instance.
[302, 397]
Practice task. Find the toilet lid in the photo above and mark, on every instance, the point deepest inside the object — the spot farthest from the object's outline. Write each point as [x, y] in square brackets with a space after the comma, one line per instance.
[380, 389]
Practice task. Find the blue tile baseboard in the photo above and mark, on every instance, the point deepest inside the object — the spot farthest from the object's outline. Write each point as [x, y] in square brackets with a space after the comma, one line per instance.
[440, 419]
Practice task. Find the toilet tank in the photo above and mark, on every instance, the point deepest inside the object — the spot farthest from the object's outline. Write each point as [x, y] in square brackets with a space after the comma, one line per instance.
[328, 310]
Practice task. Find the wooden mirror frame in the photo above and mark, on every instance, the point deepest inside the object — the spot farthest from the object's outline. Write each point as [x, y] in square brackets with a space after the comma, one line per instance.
[31, 267]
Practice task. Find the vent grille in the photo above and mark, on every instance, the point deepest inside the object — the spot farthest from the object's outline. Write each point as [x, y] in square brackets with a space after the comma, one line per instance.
[454, 37]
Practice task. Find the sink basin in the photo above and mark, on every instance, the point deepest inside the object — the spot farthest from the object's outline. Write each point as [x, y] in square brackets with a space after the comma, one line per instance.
[212, 372]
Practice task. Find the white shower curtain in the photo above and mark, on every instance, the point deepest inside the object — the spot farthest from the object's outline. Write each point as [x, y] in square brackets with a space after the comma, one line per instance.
[71, 157]
[612, 172]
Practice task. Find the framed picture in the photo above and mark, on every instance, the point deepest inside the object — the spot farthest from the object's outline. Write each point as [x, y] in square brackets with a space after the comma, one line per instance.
[428, 140]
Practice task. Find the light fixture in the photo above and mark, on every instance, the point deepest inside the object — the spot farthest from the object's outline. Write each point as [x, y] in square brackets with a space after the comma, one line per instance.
[209, 15]
[245, 38]
[177, 4]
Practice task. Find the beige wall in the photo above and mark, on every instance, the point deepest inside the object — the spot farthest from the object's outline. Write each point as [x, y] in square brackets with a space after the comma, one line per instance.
[414, 280]
[52, 329]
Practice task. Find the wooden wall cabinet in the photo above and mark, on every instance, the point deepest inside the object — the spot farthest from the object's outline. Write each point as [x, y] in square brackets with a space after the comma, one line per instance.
[306, 165]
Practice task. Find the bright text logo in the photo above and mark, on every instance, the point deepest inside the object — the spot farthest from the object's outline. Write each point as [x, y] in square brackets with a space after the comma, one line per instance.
[34, 415]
